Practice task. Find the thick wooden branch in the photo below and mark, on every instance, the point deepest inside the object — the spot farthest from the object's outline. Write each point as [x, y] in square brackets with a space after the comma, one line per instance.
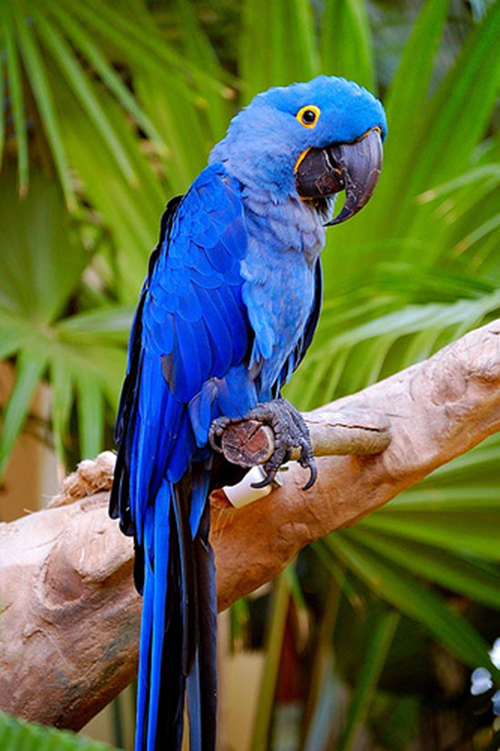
[69, 623]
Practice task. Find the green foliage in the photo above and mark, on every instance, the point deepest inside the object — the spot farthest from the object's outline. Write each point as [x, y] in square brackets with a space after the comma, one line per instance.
[110, 109]
[416, 270]
[43, 261]
[16, 735]
[73, 114]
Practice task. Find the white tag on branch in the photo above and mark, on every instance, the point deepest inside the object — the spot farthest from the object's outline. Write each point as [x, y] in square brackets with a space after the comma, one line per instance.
[242, 494]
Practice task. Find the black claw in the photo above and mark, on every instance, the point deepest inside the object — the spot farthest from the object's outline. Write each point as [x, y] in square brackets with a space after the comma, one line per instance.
[271, 468]
[265, 482]
[215, 432]
[313, 476]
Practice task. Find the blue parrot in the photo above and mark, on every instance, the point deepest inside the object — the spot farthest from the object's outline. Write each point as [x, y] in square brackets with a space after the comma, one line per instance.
[228, 309]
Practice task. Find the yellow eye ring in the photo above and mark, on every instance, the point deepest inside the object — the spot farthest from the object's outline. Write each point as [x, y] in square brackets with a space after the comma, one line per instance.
[308, 116]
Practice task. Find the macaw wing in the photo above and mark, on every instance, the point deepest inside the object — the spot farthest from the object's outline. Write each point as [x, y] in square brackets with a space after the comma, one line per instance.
[191, 326]
[119, 506]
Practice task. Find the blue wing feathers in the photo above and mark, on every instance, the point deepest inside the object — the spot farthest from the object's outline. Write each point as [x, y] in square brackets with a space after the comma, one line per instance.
[186, 359]
[183, 450]
[220, 335]
[201, 411]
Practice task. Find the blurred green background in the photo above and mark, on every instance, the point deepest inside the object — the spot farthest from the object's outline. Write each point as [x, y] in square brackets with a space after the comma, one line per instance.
[107, 110]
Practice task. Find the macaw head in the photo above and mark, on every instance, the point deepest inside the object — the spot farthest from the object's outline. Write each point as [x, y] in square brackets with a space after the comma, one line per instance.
[308, 140]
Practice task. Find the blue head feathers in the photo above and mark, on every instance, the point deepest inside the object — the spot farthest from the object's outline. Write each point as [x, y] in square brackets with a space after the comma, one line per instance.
[279, 125]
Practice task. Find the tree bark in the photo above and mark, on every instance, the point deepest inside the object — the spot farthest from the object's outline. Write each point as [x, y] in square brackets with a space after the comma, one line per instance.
[69, 624]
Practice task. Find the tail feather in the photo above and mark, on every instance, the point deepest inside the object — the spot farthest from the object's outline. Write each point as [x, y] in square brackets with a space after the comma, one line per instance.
[202, 680]
[161, 683]
[144, 660]
[178, 632]
[160, 563]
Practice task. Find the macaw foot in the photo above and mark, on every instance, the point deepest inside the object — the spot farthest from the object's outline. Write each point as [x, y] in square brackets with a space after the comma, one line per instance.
[290, 431]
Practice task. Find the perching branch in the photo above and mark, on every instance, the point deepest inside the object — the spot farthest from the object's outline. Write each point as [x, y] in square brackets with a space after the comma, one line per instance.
[354, 431]
[69, 627]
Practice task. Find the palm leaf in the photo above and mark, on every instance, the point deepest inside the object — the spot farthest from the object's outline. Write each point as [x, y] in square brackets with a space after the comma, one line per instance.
[18, 735]
[15, 89]
[415, 600]
[381, 345]
[30, 368]
[42, 259]
[346, 42]
[277, 45]
[382, 635]
[457, 572]
[274, 641]
[475, 532]
[82, 89]
[83, 40]
[3, 107]
[32, 33]
[406, 100]
[35, 67]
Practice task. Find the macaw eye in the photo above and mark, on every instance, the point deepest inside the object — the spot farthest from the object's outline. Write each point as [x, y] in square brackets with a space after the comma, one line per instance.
[308, 116]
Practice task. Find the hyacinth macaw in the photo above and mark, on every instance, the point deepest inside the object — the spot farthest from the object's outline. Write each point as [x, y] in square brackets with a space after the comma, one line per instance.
[227, 312]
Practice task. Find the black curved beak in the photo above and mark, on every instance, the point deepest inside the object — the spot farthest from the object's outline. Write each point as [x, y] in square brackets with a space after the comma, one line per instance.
[353, 167]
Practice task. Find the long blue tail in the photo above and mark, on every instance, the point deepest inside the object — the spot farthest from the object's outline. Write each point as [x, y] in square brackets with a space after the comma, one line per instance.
[178, 632]
[202, 679]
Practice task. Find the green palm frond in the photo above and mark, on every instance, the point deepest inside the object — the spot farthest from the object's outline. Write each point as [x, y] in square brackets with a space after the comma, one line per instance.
[17, 734]
[54, 42]
[43, 260]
